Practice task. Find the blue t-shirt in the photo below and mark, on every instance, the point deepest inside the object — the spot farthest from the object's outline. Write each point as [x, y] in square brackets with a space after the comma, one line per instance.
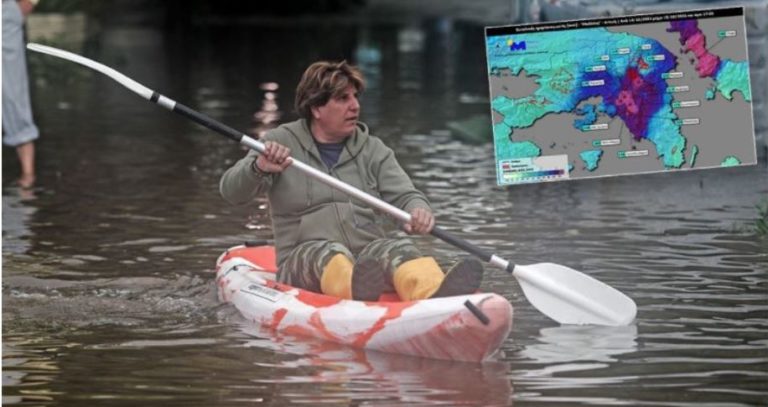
[330, 152]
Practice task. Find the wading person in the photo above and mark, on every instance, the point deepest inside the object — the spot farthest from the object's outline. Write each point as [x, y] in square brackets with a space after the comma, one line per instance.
[326, 241]
[19, 129]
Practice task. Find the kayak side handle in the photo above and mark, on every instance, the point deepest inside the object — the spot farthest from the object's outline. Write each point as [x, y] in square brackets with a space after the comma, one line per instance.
[477, 312]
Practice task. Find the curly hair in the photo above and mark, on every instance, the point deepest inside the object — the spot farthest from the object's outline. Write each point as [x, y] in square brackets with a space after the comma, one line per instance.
[323, 80]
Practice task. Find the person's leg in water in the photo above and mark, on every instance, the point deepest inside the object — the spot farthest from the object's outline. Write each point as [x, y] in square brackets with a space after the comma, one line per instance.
[26, 153]
[19, 129]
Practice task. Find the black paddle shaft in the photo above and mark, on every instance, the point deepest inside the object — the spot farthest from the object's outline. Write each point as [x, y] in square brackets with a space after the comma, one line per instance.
[206, 121]
[475, 250]
[461, 244]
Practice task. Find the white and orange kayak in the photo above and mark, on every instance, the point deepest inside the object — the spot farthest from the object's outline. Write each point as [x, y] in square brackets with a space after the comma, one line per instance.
[467, 327]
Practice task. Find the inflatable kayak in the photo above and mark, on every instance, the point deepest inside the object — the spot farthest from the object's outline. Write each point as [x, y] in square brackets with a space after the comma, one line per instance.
[466, 328]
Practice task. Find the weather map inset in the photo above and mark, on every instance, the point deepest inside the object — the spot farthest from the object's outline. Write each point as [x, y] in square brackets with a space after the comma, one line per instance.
[620, 96]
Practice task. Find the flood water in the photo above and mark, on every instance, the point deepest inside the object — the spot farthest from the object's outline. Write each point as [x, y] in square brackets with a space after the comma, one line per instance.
[108, 292]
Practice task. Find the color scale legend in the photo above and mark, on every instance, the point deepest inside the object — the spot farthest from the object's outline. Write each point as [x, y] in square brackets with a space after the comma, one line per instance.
[533, 169]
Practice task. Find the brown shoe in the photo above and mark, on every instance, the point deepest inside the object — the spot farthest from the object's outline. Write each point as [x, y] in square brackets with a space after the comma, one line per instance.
[367, 279]
[463, 278]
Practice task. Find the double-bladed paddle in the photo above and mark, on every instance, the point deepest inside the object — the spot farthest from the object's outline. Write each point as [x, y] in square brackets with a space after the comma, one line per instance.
[562, 293]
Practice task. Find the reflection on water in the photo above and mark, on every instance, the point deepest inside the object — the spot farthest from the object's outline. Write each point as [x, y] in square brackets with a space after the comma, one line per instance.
[17, 215]
[345, 374]
[568, 344]
[107, 273]
[29, 363]
[269, 115]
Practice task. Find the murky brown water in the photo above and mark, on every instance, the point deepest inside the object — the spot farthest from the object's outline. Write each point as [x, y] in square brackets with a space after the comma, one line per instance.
[108, 294]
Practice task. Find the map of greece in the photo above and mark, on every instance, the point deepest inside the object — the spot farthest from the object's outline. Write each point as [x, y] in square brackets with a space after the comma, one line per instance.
[624, 95]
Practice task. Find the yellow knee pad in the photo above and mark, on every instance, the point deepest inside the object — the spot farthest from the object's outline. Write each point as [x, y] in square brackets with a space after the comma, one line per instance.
[418, 278]
[337, 277]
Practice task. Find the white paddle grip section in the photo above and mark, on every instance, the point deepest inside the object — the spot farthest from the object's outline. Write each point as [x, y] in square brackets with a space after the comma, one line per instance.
[499, 262]
[252, 143]
[166, 102]
[129, 83]
[335, 183]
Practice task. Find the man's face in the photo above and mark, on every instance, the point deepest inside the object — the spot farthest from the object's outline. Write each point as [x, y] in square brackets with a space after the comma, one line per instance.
[338, 117]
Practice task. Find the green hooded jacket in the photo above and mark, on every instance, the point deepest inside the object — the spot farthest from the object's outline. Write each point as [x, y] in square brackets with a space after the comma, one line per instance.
[304, 209]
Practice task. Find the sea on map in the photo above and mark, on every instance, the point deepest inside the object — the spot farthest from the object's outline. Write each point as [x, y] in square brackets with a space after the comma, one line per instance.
[619, 96]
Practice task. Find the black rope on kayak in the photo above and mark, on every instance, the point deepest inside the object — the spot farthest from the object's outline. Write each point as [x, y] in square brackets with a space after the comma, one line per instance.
[477, 312]
[255, 243]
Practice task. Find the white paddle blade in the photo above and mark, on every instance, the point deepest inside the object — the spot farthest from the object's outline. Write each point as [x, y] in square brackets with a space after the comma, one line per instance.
[129, 83]
[571, 297]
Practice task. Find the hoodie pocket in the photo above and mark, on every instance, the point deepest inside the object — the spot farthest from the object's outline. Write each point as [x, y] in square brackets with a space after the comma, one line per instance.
[321, 224]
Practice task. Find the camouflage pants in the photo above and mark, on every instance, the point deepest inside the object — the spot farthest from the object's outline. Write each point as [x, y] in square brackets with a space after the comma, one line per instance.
[304, 264]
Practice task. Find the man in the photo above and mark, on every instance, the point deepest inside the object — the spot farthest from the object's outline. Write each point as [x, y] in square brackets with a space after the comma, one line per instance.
[19, 129]
[327, 242]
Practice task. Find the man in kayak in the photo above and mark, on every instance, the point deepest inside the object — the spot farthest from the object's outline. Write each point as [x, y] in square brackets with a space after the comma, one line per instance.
[325, 241]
